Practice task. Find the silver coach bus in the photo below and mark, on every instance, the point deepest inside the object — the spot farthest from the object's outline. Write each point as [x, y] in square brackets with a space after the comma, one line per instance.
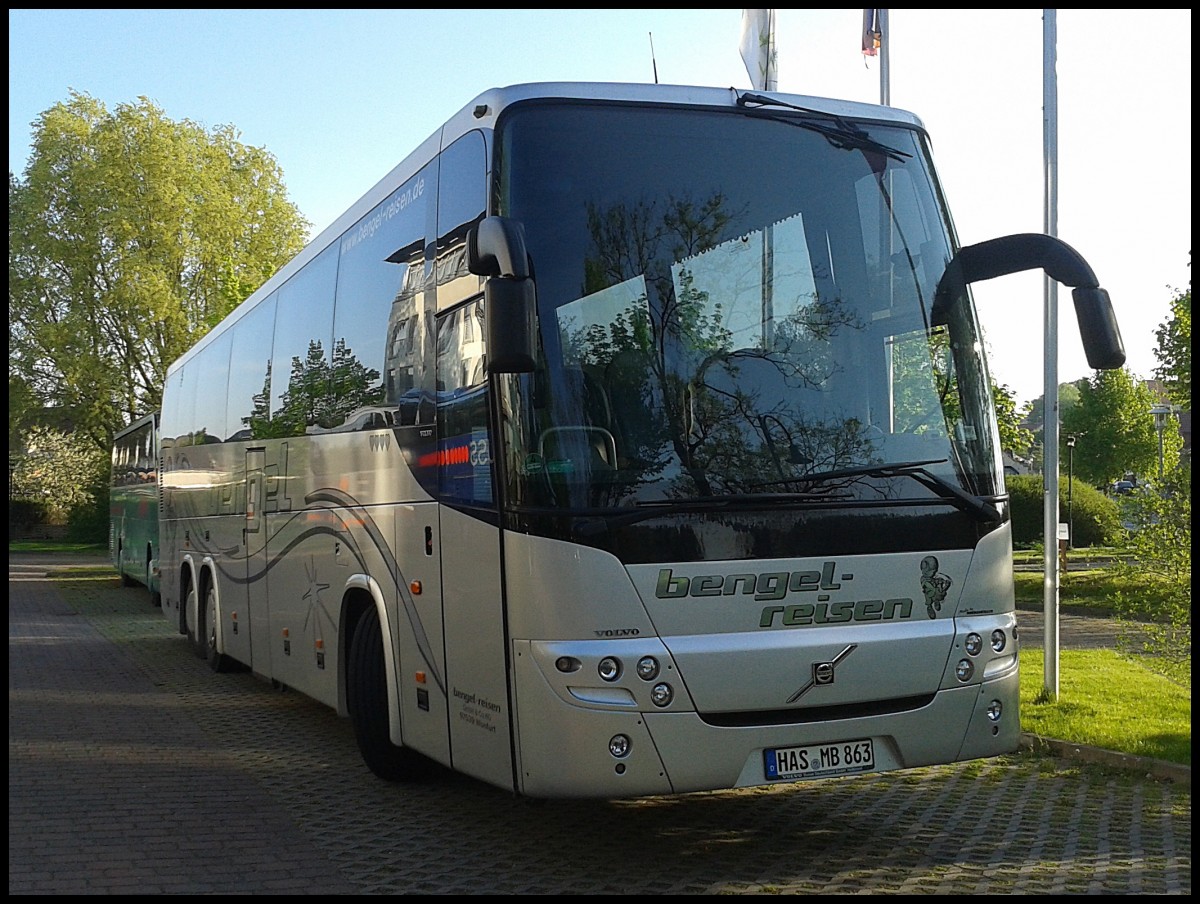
[624, 440]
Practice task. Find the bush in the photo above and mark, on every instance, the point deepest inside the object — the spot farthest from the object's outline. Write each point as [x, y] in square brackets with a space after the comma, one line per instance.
[24, 514]
[1096, 518]
[1162, 550]
[89, 521]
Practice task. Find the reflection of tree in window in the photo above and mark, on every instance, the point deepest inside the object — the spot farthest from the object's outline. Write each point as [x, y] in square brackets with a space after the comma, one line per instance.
[319, 393]
[924, 382]
[732, 418]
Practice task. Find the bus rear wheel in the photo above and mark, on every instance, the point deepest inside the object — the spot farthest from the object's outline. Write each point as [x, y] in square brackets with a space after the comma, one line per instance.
[217, 660]
[193, 633]
[155, 596]
[366, 695]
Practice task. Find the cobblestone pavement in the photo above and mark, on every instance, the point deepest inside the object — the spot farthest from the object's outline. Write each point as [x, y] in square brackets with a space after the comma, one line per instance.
[135, 769]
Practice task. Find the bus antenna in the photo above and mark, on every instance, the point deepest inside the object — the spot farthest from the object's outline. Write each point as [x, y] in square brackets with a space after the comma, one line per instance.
[653, 62]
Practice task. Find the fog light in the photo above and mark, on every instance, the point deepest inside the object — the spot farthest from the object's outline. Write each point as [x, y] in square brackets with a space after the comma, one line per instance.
[647, 668]
[994, 710]
[609, 668]
[999, 640]
[661, 694]
[974, 644]
[618, 745]
[964, 670]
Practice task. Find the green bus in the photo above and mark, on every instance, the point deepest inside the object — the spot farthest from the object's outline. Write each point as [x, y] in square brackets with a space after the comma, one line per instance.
[133, 504]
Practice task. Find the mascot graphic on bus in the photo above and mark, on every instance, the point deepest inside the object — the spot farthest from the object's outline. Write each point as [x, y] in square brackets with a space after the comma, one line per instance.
[934, 585]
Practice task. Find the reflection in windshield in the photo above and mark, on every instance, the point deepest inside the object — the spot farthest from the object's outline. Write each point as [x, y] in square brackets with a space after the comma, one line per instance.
[738, 326]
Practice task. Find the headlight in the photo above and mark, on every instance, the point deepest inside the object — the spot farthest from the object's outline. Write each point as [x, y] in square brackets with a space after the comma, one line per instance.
[647, 668]
[661, 694]
[618, 745]
[999, 640]
[964, 670]
[974, 644]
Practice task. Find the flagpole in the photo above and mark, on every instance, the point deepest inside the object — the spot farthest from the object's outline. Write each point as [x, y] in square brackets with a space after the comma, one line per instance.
[885, 88]
[1050, 411]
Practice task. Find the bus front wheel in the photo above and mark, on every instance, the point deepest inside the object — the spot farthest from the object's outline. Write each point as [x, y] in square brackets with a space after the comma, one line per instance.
[366, 695]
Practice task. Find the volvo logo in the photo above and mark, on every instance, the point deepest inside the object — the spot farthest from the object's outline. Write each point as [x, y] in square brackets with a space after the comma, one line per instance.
[822, 673]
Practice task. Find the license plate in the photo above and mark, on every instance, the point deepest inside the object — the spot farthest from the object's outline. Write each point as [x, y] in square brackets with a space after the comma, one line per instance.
[820, 759]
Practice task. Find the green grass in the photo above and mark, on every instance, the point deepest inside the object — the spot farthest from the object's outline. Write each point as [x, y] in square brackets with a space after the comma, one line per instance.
[1110, 701]
[1083, 555]
[1092, 589]
[58, 546]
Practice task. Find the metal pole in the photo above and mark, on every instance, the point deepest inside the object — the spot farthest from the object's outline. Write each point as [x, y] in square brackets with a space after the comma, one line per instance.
[1050, 354]
[885, 88]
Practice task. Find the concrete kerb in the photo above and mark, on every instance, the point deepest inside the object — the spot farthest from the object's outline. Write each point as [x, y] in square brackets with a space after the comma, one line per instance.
[1156, 769]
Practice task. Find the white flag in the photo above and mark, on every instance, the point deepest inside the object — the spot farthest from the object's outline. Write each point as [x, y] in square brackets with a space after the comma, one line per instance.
[758, 48]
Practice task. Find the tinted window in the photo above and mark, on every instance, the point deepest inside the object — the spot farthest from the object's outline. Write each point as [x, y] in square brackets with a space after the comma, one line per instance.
[466, 472]
[301, 363]
[247, 412]
[380, 306]
[462, 198]
[210, 368]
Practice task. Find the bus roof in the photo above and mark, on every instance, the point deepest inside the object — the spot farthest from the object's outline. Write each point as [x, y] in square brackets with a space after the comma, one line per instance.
[481, 113]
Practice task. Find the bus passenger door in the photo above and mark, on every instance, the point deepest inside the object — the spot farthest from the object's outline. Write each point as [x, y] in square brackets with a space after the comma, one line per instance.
[253, 622]
[472, 593]
[477, 686]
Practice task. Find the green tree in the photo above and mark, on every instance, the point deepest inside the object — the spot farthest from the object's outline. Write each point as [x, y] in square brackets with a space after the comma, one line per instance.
[1162, 560]
[1015, 438]
[21, 405]
[1114, 413]
[130, 236]
[1174, 351]
[58, 472]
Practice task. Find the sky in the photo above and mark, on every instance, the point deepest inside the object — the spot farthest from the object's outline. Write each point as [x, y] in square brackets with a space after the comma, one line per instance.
[339, 97]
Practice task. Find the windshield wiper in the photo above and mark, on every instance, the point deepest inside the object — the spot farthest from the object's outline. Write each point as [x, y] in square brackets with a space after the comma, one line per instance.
[917, 470]
[734, 500]
[598, 522]
[845, 135]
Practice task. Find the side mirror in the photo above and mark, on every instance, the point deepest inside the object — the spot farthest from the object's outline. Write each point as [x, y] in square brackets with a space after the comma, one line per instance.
[1031, 251]
[510, 307]
[496, 249]
[1098, 327]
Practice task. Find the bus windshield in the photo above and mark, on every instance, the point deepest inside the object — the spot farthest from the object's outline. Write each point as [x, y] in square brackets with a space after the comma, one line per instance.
[737, 310]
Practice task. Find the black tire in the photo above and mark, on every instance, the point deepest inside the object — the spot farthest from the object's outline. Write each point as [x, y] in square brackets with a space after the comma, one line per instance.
[126, 580]
[196, 633]
[155, 596]
[366, 695]
[218, 662]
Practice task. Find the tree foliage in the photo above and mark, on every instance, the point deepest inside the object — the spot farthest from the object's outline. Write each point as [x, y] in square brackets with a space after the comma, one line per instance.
[130, 236]
[58, 472]
[1014, 438]
[1116, 429]
[1161, 544]
[1174, 351]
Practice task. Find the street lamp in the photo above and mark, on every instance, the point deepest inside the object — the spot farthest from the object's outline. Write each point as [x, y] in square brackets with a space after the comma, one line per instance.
[1161, 413]
[1071, 437]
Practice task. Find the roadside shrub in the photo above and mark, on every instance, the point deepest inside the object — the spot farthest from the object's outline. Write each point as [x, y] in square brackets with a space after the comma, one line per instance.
[88, 521]
[1162, 552]
[1096, 518]
[24, 514]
